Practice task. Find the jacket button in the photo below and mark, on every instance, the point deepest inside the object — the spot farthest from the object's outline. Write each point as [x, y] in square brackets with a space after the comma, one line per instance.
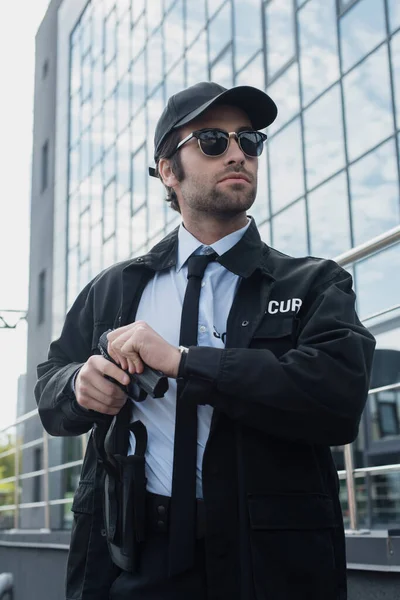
[103, 532]
[245, 323]
[139, 259]
[161, 509]
[160, 524]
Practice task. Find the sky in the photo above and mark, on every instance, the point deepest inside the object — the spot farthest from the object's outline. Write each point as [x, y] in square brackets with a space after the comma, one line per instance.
[18, 27]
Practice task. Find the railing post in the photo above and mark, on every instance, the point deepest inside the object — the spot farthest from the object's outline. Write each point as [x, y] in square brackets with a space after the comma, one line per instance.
[350, 482]
[46, 479]
[16, 482]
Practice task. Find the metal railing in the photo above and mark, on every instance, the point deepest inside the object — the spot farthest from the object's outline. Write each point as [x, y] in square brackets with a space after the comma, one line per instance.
[350, 474]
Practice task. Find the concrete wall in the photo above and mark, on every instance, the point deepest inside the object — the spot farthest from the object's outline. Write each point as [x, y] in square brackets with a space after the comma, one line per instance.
[41, 243]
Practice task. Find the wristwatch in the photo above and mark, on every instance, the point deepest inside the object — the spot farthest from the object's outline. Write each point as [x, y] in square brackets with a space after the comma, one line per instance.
[184, 353]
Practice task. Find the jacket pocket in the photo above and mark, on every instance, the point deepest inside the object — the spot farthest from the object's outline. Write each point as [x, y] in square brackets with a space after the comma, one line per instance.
[275, 334]
[83, 502]
[292, 546]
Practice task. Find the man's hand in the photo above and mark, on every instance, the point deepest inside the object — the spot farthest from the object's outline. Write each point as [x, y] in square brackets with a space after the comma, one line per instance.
[93, 391]
[138, 343]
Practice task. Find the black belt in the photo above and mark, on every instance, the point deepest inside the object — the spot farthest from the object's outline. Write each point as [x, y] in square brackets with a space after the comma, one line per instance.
[158, 511]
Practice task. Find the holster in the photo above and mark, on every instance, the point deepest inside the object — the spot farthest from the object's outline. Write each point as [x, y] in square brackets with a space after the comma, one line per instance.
[124, 498]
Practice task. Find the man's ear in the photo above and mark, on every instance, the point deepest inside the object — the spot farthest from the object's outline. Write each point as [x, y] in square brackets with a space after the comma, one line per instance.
[166, 173]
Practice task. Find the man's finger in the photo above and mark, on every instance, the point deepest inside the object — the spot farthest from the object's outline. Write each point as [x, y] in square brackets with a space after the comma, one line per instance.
[115, 372]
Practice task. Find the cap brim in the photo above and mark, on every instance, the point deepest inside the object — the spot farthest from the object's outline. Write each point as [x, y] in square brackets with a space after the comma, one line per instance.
[260, 108]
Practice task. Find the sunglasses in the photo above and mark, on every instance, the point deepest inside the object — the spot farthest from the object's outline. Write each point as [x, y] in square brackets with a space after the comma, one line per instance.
[215, 142]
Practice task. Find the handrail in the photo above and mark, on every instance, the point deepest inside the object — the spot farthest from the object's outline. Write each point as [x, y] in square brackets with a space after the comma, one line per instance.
[380, 242]
[358, 253]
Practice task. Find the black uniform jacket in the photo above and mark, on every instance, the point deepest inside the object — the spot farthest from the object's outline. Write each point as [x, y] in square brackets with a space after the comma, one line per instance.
[291, 382]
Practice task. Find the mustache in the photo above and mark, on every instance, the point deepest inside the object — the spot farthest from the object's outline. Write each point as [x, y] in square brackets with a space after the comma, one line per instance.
[238, 171]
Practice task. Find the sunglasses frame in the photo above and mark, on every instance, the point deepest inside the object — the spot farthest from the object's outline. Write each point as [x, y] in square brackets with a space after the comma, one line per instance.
[230, 135]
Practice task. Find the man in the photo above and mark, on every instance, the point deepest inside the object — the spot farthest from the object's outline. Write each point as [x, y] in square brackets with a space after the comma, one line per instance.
[279, 372]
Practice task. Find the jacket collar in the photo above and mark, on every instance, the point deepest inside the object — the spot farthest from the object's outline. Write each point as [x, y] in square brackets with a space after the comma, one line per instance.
[249, 254]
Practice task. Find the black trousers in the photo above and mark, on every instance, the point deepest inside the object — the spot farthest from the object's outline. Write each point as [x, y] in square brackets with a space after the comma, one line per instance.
[152, 581]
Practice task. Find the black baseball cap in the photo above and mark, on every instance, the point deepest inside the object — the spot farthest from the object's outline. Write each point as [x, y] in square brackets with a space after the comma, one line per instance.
[195, 100]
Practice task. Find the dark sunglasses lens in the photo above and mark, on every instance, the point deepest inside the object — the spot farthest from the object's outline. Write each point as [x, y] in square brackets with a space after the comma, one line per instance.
[251, 142]
[213, 142]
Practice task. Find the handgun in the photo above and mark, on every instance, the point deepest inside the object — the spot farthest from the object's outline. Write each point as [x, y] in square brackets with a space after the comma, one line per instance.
[151, 382]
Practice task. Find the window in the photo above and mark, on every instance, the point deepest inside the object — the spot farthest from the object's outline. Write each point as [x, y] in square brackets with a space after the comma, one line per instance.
[41, 297]
[248, 31]
[285, 92]
[45, 166]
[369, 116]
[286, 166]
[324, 145]
[37, 466]
[361, 29]
[280, 42]
[220, 31]
[329, 222]
[374, 193]
[318, 47]
[45, 69]
[289, 230]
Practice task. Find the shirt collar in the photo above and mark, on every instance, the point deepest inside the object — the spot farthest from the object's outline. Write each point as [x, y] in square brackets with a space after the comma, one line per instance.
[188, 244]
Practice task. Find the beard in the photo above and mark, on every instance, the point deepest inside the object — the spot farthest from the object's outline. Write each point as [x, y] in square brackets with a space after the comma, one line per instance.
[203, 197]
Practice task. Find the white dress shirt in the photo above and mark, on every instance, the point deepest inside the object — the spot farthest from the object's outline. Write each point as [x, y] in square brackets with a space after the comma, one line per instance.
[161, 307]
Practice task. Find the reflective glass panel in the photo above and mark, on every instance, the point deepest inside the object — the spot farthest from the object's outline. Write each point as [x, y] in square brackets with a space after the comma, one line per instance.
[110, 79]
[109, 252]
[138, 83]
[175, 80]
[154, 10]
[155, 107]
[139, 229]
[96, 251]
[96, 195]
[123, 163]
[394, 14]
[110, 120]
[286, 166]
[97, 138]
[375, 193]
[173, 35]
[139, 179]
[319, 60]
[222, 70]
[84, 274]
[75, 114]
[137, 9]
[75, 68]
[138, 37]
[324, 142]
[328, 216]
[73, 220]
[253, 74]
[86, 32]
[195, 19]
[84, 190]
[265, 232]
[110, 38]
[377, 288]
[361, 29]
[86, 78]
[110, 164]
[123, 227]
[196, 61]
[72, 284]
[220, 31]
[109, 209]
[84, 239]
[280, 42]
[123, 102]
[97, 85]
[98, 29]
[285, 93]
[124, 44]
[289, 230]
[369, 117]
[395, 45]
[74, 167]
[155, 60]
[248, 30]
[85, 154]
[138, 131]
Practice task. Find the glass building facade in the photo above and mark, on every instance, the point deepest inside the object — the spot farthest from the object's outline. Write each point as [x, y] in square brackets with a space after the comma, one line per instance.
[328, 180]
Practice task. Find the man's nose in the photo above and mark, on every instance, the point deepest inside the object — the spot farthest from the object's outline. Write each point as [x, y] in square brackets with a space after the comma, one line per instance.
[234, 154]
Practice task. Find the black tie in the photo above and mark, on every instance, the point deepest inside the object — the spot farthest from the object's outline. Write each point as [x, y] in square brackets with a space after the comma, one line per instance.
[183, 502]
